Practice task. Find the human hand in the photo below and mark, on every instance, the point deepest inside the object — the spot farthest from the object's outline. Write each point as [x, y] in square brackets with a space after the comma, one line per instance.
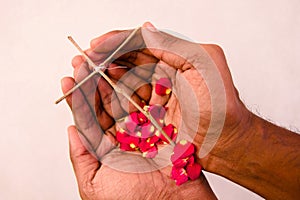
[97, 181]
[205, 106]
[232, 141]
[95, 107]
[213, 114]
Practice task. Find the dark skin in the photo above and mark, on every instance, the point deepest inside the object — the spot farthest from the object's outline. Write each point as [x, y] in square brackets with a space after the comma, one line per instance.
[249, 150]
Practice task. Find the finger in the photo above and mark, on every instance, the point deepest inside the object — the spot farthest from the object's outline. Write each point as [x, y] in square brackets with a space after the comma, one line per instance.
[132, 81]
[66, 84]
[92, 95]
[85, 165]
[110, 100]
[174, 51]
[138, 58]
[143, 71]
[77, 60]
[108, 142]
[84, 117]
[112, 40]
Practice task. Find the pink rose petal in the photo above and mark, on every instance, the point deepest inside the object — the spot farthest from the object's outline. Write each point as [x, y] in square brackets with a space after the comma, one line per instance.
[163, 86]
[158, 112]
[193, 171]
[147, 130]
[130, 125]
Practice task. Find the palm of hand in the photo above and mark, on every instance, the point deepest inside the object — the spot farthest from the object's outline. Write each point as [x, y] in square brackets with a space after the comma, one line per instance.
[98, 97]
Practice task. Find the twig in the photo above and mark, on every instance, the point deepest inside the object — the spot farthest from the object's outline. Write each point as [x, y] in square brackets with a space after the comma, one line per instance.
[114, 86]
[96, 68]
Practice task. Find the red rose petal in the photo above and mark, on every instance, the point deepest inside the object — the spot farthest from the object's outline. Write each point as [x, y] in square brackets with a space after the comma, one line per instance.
[183, 149]
[121, 135]
[163, 86]
[175, 172]
[131, 140]
[180, 162]
[193, 171]
[151, 153]
[179, 175]
[126, 147]
[169, 130]
[154, 139]
[191, 160]
[146, 144]
[142, 119]
[134, 117]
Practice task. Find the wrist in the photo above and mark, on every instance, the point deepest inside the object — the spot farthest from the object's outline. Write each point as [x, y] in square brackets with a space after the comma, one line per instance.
[261, 157]
[232, 144]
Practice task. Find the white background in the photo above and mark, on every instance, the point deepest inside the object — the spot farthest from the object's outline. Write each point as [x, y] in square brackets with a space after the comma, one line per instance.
[260, 39]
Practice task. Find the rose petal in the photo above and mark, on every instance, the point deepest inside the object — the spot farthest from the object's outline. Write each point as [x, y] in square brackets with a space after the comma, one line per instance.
[169, 130]
[180, 163]
[130, 124]
[191, 160]
[147, 131]
[193, 171]
[175, 172]
[163, 86]
[151, 153]
[134, 117]
[183, 149]
[121, 134]
[179, 175]
[131, 140]
[146, 144]
[142, 119]
[126, 147]
[154, 139]
[158, 112]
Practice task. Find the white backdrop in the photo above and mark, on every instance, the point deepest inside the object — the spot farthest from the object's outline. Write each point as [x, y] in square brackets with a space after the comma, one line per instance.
[260, 39]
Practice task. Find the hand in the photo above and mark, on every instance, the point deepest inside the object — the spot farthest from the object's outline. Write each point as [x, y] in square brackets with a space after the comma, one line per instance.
[231, 140]
[96, 181]
[204, 103]
[94, 108]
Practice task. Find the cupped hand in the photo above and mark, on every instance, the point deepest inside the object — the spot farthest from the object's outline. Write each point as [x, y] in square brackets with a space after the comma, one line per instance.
[96, 107]
[204, 103]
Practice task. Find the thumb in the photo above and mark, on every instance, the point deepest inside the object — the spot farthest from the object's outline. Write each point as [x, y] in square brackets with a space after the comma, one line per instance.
[85, 165]
[174, 51]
